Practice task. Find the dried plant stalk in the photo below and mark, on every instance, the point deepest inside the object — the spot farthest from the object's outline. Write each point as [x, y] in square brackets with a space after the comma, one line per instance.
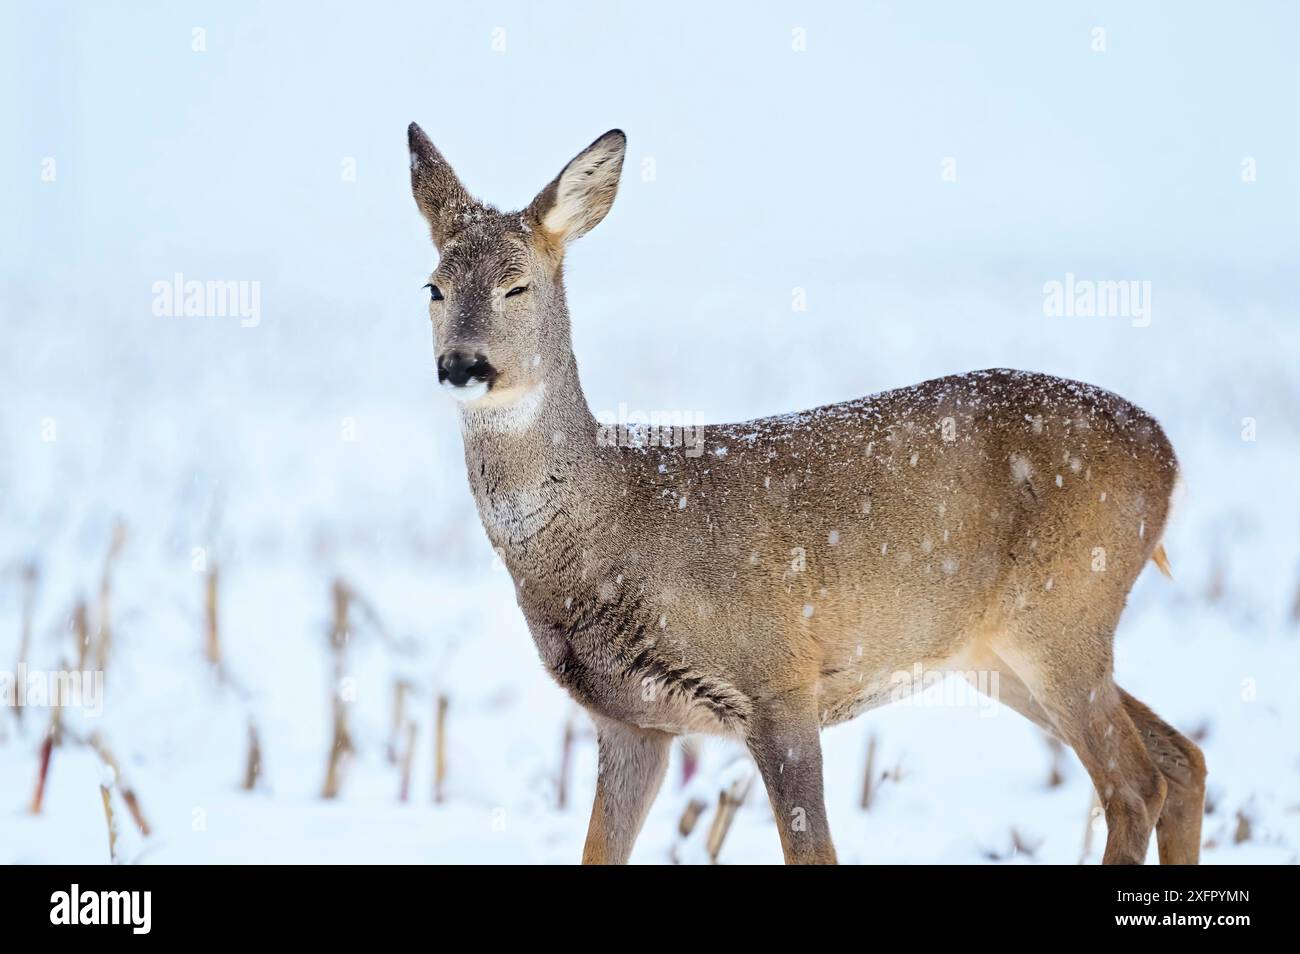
[440, 748]
[106, 795]
[729, 800]
[253, 764]
[869, 775]
[1056, 750]
[366, 610]
[690, 761]
[1020, 845]
[30, 577]
[566, 764]
[1243, 830]
[128, 792]
[341, 742]
[211, 619]
[42, 771]
[53, 738]
[81, 633]
[103, 615]
[691, 816]
[340, 751]
[400, 689]
[408, 757]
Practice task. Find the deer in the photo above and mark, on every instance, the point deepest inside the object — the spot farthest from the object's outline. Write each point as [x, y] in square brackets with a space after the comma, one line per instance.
[772, 582]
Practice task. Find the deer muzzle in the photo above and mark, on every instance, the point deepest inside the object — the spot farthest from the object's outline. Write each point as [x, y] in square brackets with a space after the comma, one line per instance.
[466, 374]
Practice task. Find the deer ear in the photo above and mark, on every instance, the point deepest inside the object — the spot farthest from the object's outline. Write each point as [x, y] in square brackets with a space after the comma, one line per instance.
[438, 192]
[578, 198]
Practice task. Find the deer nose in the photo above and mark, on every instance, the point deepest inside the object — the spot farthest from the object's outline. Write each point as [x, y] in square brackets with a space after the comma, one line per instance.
[461, 368]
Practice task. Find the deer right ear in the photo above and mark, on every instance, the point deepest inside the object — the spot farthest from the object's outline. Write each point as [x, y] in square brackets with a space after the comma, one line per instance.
[438, 192]
[578, 198]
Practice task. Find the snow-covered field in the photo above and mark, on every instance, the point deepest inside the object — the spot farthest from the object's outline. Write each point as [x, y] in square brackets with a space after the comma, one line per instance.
[313, 445]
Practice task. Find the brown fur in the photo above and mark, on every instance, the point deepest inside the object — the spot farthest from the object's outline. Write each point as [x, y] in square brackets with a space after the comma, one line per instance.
[992, 520]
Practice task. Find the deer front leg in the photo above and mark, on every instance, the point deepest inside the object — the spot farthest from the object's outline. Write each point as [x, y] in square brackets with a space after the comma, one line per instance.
[632, 763]
[785, 743]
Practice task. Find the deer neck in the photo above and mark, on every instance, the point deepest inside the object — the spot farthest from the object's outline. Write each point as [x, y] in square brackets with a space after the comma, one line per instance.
[535, 470]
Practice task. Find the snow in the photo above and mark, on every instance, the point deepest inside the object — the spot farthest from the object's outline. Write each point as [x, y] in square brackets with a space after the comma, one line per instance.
[317, 444]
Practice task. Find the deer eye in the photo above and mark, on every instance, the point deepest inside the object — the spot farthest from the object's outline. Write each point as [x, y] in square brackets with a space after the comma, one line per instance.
[435, 293]
[517, 291]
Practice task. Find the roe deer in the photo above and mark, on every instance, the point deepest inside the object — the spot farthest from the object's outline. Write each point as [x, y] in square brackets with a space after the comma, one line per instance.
[992, 521]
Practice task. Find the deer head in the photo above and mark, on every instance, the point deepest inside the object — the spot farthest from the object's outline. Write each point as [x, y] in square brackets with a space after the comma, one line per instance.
[500, 322]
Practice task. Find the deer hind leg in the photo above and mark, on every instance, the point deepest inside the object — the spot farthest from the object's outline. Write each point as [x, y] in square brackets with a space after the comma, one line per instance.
[1070, 678]
[632, 762]
[1178, 829]
[783, 739]
[1131, 787]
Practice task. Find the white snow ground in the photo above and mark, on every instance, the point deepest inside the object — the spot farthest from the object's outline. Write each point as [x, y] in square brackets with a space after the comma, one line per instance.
[315, 444]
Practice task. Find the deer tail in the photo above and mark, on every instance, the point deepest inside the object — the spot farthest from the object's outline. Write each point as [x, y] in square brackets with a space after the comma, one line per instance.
[1161, 560]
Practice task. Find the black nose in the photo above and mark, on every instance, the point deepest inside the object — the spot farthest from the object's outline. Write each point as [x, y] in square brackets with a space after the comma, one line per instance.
[458, 368]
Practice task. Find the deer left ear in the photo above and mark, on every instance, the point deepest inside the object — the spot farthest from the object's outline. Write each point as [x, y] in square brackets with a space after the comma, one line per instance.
[580, 196]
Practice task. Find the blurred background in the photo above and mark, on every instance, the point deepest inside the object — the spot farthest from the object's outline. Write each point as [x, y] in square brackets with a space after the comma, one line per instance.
[820, 200]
